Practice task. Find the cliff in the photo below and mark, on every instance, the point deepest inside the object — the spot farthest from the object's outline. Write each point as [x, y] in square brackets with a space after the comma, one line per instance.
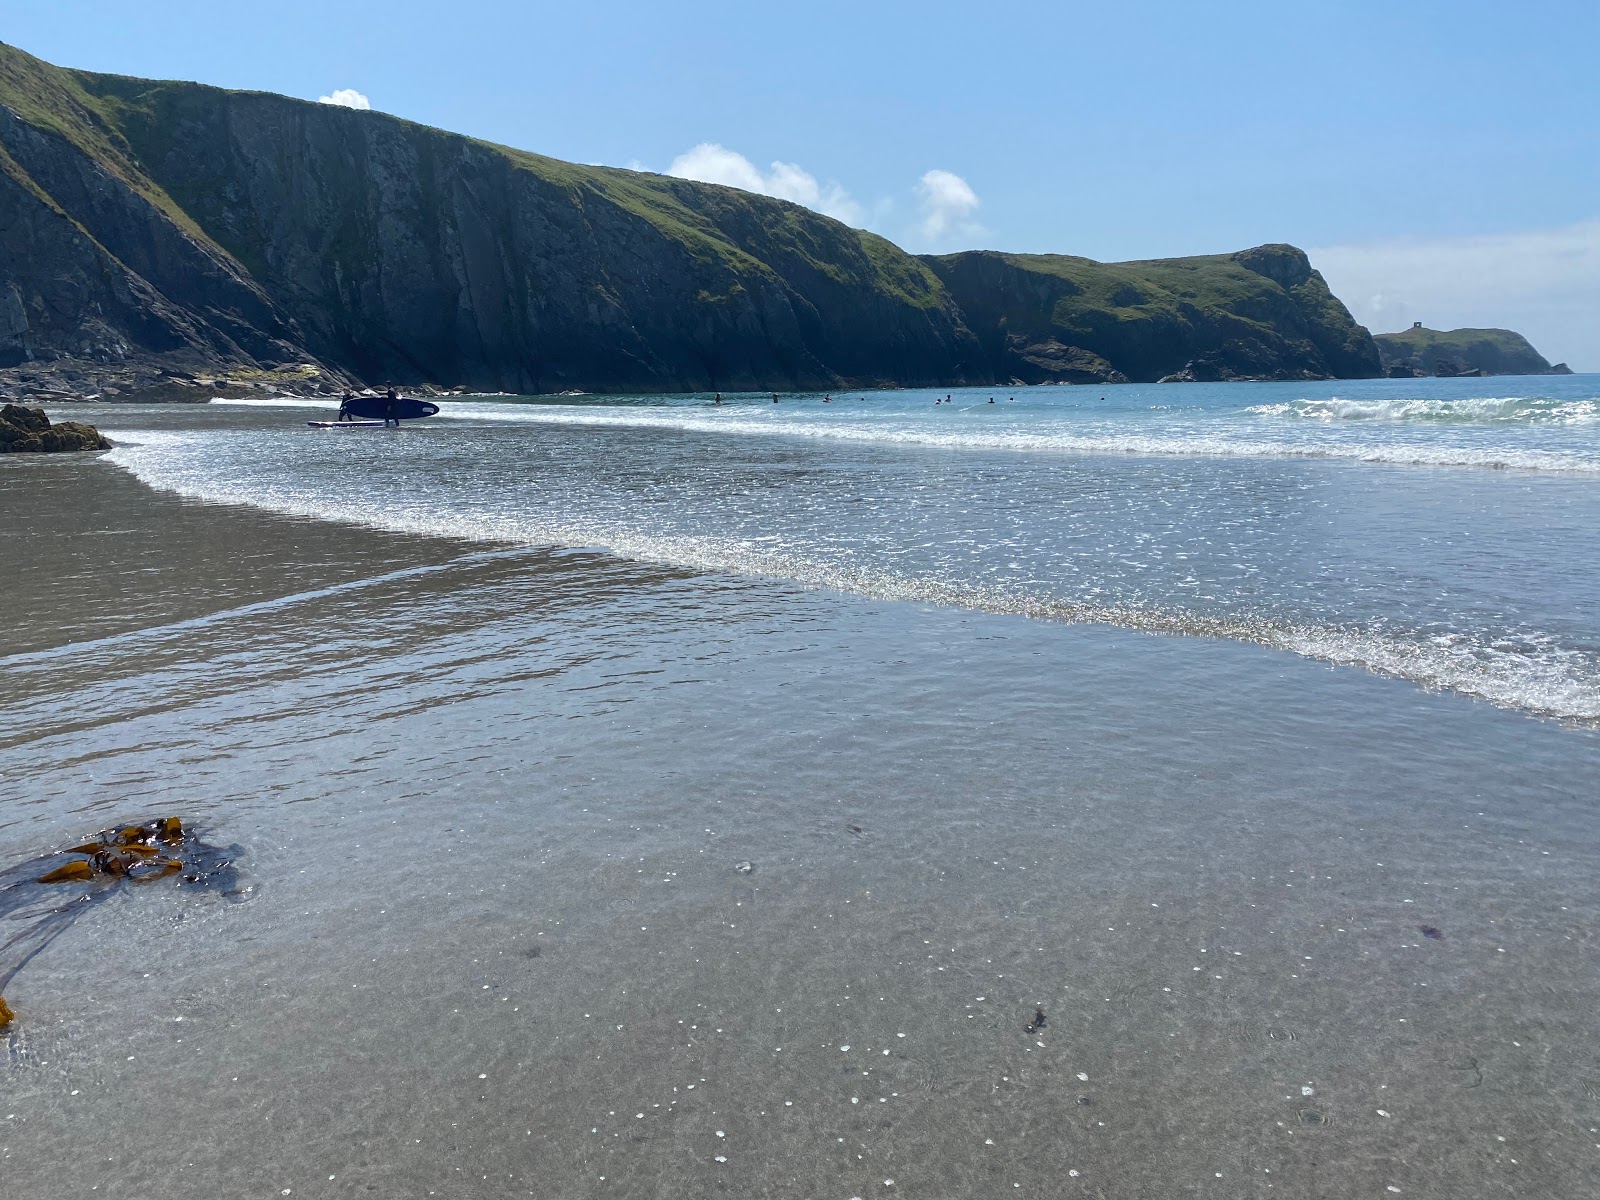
[177, 230]
[1261, 314]
[1419, 351]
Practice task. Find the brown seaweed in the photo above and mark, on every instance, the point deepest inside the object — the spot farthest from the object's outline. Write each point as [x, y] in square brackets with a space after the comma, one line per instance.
[46, 903]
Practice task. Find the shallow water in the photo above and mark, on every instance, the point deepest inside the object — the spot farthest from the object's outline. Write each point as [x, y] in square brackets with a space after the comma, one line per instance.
[1445, 531]
[493, 797]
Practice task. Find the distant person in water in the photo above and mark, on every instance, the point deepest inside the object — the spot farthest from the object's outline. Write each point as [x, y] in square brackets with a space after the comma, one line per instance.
[391, 401]
[774, 397]
[991, 399]
[718, 400]
[344, 406]
[827, 399]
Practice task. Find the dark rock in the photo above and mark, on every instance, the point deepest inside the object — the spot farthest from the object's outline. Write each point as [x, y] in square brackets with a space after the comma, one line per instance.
[1049, 361]
[29, 431]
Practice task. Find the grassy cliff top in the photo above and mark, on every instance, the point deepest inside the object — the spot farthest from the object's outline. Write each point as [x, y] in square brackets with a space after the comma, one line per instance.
[1456, 339]
[120, 122]
[1498, 351]
[1209, 280]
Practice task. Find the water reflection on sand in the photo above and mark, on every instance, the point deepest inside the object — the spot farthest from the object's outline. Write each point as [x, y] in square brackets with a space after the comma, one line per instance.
[503, 945]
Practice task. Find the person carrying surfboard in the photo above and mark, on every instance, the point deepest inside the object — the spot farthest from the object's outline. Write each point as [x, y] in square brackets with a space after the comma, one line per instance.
[344, 406]
[389, 414]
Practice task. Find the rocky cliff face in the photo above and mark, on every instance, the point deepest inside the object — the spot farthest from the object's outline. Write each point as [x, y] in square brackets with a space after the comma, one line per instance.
[1418, 351]
[1258, 314]
[210, 231]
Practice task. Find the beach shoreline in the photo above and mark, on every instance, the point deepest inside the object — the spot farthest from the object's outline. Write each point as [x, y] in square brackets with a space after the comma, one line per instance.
[501, 942]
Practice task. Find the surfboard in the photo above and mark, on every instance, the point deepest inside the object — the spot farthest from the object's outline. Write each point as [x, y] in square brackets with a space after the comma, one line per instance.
[345, 424]
[376, 408]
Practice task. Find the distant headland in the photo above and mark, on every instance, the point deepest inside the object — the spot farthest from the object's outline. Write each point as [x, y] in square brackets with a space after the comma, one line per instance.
[1419, 351]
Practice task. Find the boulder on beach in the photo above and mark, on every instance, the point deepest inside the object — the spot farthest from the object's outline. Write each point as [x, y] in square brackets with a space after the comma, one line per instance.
[29, 431]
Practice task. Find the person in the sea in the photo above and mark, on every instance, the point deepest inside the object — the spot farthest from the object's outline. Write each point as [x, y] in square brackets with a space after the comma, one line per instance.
[828, 399]
[344, 406]
[991, 399]
[390, 402]
[774, 397]
[718, 399]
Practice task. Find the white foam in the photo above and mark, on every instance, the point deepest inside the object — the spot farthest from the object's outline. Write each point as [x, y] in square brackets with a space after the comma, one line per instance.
[1472, 410]
[275, 402]
[894, 430]
[1544, 681]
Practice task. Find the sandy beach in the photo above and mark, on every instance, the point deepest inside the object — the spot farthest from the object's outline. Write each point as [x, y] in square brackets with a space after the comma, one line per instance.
[575, 876]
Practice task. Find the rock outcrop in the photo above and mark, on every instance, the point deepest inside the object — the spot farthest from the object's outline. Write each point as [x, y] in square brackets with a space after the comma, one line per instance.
[29, 431]
[1461, 353]
[155, 234]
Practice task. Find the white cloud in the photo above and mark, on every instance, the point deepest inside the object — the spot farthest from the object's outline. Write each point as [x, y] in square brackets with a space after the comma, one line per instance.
[710, 163]
[346, 98]
[949, 206]
[942, 217]
[1543, 283]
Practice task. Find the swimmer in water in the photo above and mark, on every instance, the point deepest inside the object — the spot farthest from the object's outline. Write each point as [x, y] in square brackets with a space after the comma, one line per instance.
[774, 397]
[991, 399]
[718, 400]
[827, 399]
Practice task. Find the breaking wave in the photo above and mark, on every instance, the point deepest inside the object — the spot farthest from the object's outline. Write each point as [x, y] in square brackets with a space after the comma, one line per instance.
[1480, 410]
[1542, 679]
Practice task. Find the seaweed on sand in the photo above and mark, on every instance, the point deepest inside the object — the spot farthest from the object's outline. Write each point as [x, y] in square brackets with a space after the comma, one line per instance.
[42, 898]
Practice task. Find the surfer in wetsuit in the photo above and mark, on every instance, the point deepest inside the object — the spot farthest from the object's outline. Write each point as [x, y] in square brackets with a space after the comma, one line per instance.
[390, 401]
[344, 406]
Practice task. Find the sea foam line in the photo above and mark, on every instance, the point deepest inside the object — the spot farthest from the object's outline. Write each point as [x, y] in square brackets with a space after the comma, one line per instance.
[730, 422]
[1202, 446]
[1506, 679]
[1483, 410]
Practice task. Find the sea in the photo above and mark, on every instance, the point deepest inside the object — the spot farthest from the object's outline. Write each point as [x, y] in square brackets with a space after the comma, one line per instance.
[1124, 791]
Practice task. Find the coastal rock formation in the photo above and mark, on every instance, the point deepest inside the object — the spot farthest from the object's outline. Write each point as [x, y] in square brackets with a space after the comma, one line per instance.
[29, 431]
[1461, 352]
[1258, 314]
[157, 232]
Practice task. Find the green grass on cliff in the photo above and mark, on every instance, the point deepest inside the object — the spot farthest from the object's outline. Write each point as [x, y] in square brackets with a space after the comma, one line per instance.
[1146, 289]
[53, 100]
[127, 125]
[1412, 342]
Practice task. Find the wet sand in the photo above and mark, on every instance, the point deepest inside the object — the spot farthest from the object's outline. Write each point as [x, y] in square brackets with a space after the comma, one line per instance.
[499, 944]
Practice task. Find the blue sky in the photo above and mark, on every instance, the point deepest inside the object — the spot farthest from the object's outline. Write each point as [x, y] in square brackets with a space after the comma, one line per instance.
[1416, 148]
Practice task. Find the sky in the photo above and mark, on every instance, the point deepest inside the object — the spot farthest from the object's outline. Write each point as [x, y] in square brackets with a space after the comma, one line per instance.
[1440, 161]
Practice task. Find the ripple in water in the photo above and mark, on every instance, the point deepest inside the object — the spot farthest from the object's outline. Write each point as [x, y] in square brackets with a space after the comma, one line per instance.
[1453, 580]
